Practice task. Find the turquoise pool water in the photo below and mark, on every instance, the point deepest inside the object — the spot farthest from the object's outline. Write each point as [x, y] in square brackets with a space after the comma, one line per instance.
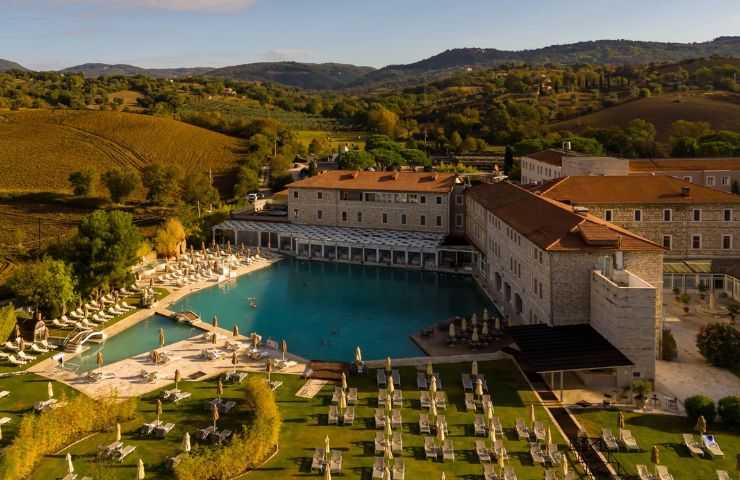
[140, 338]
[324, 310]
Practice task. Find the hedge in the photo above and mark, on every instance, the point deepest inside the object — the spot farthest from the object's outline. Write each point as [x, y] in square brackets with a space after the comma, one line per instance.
[728, 409]
[7, 322]
[247, 449]
[44, 434]
[700, 406]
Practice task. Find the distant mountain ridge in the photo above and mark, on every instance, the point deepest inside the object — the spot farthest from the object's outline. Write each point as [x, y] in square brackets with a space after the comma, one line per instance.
[336, 76]
[7, 65]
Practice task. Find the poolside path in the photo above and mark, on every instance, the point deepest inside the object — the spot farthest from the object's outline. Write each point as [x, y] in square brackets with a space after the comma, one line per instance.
[124, 378]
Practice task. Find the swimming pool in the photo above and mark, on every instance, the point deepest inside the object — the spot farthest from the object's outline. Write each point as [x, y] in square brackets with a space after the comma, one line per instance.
[140, 338]
[324, 310]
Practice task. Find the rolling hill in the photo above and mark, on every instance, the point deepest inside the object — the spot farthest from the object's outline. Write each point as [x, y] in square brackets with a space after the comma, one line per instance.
[42, 147]
[325, 76]
[6, 65]
[721, 111]
[94, 70]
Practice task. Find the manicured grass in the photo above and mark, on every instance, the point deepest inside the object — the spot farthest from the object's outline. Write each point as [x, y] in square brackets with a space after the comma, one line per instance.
[25, 390]
[304, 427]
[665, 432]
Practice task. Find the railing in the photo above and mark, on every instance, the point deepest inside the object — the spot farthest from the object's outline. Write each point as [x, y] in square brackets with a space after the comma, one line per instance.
[710, 282]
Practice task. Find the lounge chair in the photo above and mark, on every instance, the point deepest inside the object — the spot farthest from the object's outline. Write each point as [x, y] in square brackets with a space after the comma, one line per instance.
[180, 396]
[221, 436]
[441, 423]
[352, 396]
[381, 379]
[552, 455]
[335, 463]
[607, 438]
[424, 399]
[161, 431]
[396, 378]
[379, 418]
[551, 475]
[397, 399]
[396, 419]
[497, 425]
[489, 472]
[467, 382]
[399, 469]
[538, 458]
[509, 473]
[120, 455]
[424, 424]
[349, 416]
[539, 431]
[379, 442]
[5, 420]
[628, 440]
[661, 473]
[430, 449]
[723, 475]
[421, 381]
[378, 467]
[479, 425]
[382, 397]
[333, 415]
[448, 450]
[317, 461]
[470, 402]
[522, 432]
[482, 451]
[692, 445]
[711, 446]
[397, 443]
[441, 398]
[643, 473]
[4, 393]
[499, 450]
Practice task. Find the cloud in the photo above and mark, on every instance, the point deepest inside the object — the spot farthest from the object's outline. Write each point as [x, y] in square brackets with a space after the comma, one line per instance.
[218, 6]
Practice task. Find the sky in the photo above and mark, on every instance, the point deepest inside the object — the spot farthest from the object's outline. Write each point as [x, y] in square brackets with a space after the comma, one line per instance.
[53, 34]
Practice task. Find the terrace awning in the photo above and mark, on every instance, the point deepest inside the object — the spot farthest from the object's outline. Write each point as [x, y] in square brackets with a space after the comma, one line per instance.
[546, 349]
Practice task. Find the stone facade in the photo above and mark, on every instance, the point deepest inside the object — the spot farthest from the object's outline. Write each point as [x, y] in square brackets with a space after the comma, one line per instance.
[536, 171]
[674, 227]
[411, 211]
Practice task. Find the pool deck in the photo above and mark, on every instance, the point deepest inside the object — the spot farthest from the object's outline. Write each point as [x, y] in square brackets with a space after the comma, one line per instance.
[124, 378]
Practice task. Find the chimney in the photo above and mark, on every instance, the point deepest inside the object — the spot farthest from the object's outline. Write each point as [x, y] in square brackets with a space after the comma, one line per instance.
[685, 191]
[583, 211]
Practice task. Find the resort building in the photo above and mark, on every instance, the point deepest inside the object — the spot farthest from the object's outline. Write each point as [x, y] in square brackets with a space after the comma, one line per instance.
[718, 173]
[407, 219]
[689, 220]
[545, 262]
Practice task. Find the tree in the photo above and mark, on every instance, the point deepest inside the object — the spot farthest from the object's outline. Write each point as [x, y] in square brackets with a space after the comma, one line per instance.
[719, 344]
[82, 181]
[104, 249]
[381, 120]
[387, 159]
[318, 146]
[169, 238]
[355, 160]
[7, 321]
[247, 182]
[121, 183]
[47, 286]
[416, 158]
[197, 188]
[456, 141]
[700, 406]
[508, 160]
[161, 182]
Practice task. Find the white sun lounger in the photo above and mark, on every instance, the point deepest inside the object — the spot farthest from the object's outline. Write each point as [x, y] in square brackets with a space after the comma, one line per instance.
[482, 451]
[661, 473]
[693, 446]
[610, 443]
[723, 475]
[711, 446]
[522, 431]
[628, 440]
[643, 473]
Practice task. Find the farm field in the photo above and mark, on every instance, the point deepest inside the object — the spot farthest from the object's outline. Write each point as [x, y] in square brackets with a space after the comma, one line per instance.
[722, 111]
[337, 139]
[41, 148]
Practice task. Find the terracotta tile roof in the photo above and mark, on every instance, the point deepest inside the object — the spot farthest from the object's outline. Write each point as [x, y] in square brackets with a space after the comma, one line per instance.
[649, 189]
[380, 181]
[684, 164]
[552, 225]
[553, 156]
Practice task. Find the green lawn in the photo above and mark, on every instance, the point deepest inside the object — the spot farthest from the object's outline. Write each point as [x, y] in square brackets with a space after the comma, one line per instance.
[664, 431]
[304, 428]
[25, 390]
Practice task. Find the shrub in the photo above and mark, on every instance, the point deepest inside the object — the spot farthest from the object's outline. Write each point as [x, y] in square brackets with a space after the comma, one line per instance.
[719, 344]
[699, 405]
[670, 348]
[41, 435]
[728, 409]
[7, 322]
[248, 449]
[685, 298]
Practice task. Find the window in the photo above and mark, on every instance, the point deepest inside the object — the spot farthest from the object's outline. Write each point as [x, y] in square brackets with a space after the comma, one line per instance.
[688, 179]
[459, 199]
[710, 181]
[725, 180]
[359, 217]
[638, 215]
[728, 215]
[696, 215]
[295, 193]
[344, 216]
[319, 214]
[608, 215]
[459, 220]
[696, 242]
[423, 199]
[403, 219]
[667, 215]
[385, 218]
[667, 241]
[439, 220]
[726, 242]
[422, 220]
[439, 200]
[319, 195]
[295, 213]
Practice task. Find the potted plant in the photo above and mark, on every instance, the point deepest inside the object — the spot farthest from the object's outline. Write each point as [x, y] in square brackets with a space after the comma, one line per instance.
[677, 293]
[733, 309]
[685, 299]
[702, 291]
[641, 389]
